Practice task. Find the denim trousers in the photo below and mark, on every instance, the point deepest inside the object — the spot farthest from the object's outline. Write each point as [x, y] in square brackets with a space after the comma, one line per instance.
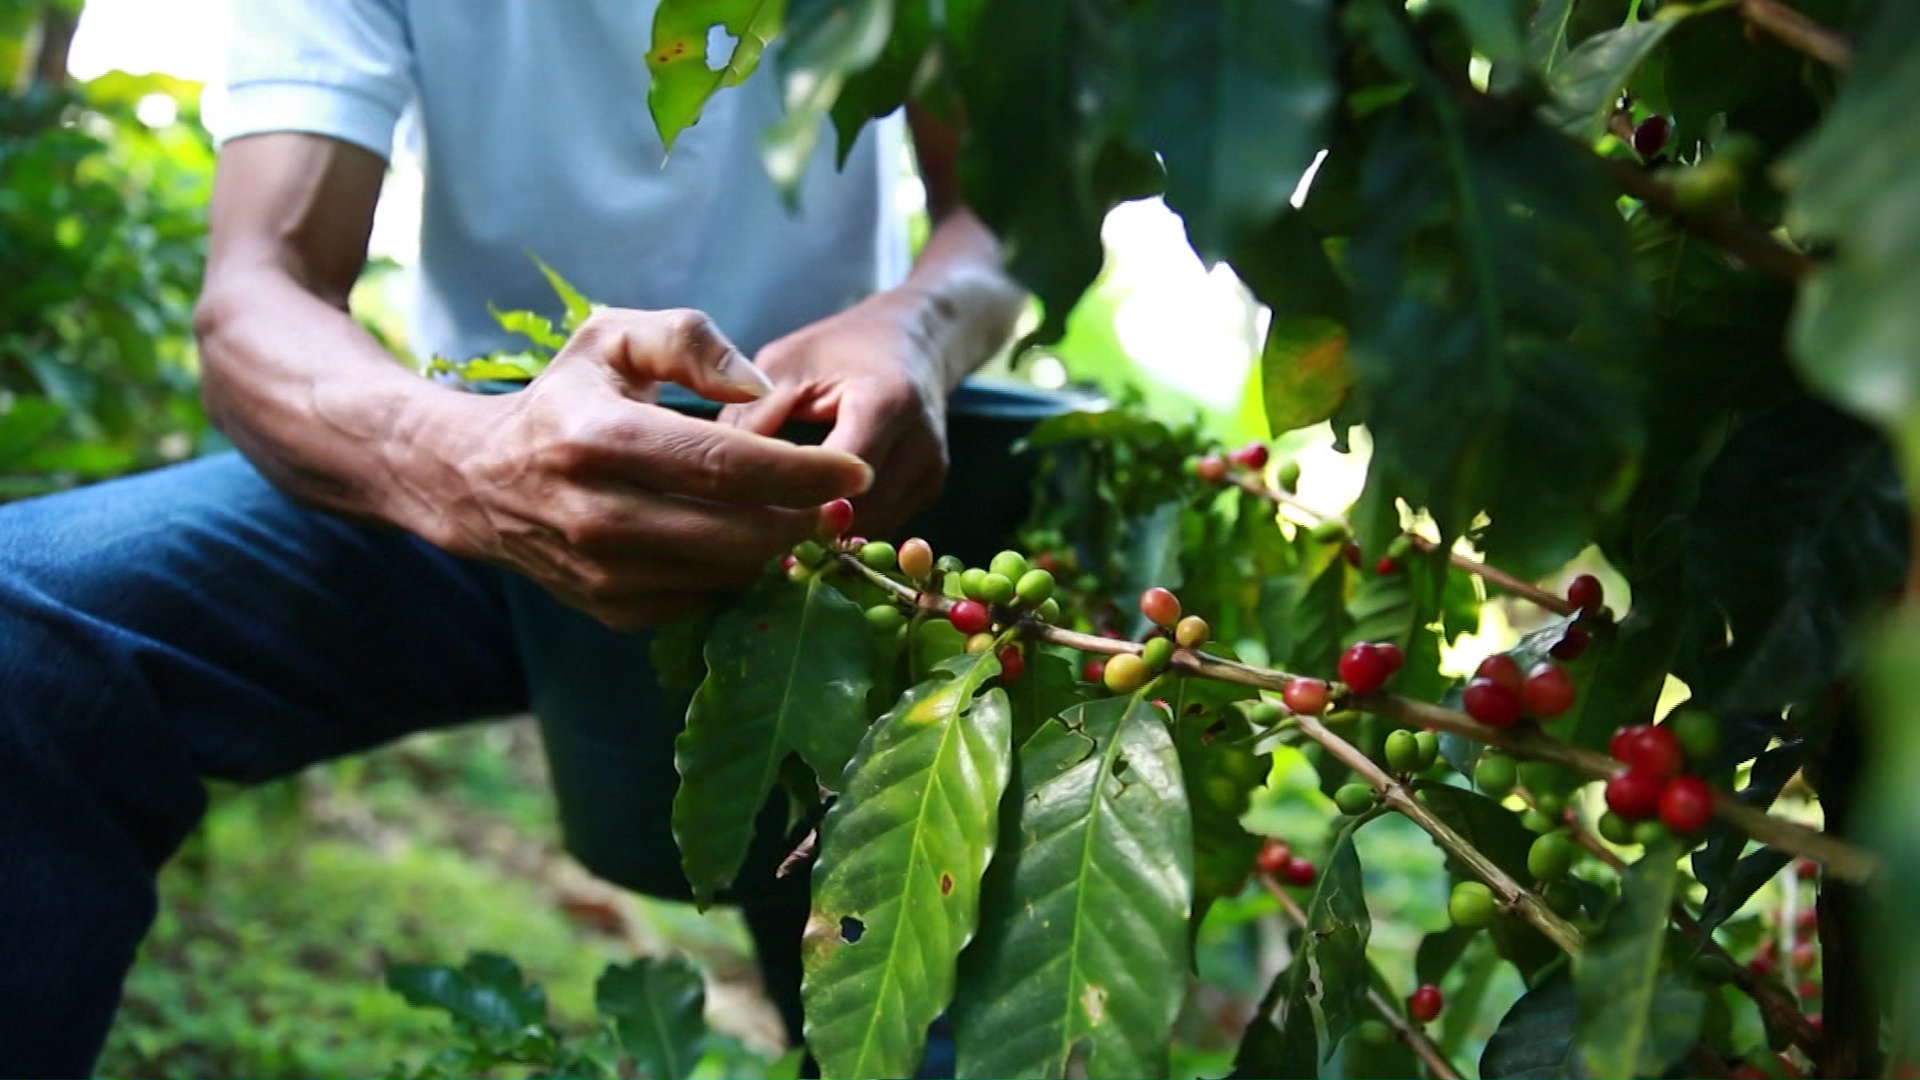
[193, 623]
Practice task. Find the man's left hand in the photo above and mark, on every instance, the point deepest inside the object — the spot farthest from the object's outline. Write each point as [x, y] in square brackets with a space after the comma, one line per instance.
[872, 372]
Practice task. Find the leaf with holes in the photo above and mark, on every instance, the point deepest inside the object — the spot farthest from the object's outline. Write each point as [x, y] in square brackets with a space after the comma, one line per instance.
[1083, 952]
[826, 42]
[1633, 1019]
[683, 77]
[1326, 984]
[896, 891]
[788, 668]
[656, 1006]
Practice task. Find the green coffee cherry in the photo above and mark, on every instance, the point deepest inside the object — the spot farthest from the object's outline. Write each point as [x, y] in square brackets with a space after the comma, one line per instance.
[1157, 652]
[1615, 829]
[1355, 799]
[1374, 1033]
[1402, 751]
[1550, 857]
[979, 643]
[950, 564]
[996, 588]
[1289, 476]
[1698, 732]
[1049, 609]
[879, 555]
[1009, 564]
[809, 553]
[885, 617]
[1650, 832]
[1472, 906]
[1535, 821]
[1426, 746]
[1400, 547]
[1551, 803]
[1034, 587]
[971, 581]
[1495, 774]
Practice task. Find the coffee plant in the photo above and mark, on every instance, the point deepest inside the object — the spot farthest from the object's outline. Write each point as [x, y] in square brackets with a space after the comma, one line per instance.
[1623, 285]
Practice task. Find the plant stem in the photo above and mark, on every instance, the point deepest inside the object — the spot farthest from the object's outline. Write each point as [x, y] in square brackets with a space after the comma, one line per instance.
[1796, 31]
[1517, 897]
[1727, 229]
[1410, 1033]
[1524, 741]
[1491, 574]
[1781, 1011]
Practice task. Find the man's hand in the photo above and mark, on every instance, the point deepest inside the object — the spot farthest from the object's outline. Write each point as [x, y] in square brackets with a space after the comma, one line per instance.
[631, 512]
[872, 372]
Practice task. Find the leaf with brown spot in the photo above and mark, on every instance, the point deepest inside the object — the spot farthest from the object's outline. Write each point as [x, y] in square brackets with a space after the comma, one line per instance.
[682, 76]
[1084, 935]
[902, 851]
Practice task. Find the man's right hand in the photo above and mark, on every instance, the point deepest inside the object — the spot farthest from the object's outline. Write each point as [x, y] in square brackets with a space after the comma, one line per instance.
[629, 511]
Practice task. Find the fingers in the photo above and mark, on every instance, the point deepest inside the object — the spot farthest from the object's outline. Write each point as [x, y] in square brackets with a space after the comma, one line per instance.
[765, 416]
[656, 448]
[679, 346]
[618, 525]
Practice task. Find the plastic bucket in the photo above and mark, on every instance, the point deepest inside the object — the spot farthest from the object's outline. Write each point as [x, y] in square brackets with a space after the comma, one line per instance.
[608, 728]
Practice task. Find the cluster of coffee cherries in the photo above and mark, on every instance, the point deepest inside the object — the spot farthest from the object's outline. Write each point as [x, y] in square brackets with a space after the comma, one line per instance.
[982, 599]
[1654, 783]
[1253, 457]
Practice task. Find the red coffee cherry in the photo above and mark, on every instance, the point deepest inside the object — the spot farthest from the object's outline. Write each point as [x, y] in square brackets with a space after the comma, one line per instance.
[1251, 456]
[1634, 794]
[1491, 703]
[1212, 468]
[1305, 696]
[1686, 804]
[1274, 855]
[1651, 136]
[1366, 666]
[1298, 871]
[1502, 669]
[969, 616]
[1160, 606]
[1586, 593]
[1548, 691]
[1013, 663]
[1424, 1004]
[1655, 750]
[835, 516]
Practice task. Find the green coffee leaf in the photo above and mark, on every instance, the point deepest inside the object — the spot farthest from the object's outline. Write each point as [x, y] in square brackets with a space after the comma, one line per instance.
[1634, 1019]
[1083, 952]
[788, 668]
[1234, 95]
[896, 890]
[656, 1006]
[683, 78]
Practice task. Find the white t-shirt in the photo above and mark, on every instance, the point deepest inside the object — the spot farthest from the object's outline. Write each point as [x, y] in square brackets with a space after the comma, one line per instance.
[535, 138]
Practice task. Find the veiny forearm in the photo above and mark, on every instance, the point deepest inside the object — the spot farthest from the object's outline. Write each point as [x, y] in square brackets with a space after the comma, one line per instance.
[965, 303]
[314, 401]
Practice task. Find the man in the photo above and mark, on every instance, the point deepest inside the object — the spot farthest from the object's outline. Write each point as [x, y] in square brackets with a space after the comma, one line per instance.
[346, 581]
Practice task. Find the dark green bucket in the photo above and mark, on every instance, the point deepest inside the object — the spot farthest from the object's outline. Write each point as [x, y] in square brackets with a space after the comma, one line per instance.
[608, 728]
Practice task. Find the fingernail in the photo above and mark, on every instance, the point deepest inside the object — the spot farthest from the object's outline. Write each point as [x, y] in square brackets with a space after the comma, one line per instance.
[738, 373]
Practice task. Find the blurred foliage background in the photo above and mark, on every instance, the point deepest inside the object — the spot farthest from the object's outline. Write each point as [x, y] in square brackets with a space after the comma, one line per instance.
[281, 914]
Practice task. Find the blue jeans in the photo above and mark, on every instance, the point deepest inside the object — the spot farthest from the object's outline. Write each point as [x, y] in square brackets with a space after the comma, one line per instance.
[194, 623]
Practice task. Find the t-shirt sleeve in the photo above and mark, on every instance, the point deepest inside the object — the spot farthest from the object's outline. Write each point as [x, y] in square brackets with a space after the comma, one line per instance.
[341, 68]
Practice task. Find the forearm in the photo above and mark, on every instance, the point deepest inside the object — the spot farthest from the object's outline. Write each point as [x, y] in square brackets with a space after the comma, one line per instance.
[314, 401]
[963, 302]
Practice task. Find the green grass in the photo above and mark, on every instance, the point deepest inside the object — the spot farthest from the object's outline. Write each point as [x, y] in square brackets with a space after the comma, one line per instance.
[278, 918]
